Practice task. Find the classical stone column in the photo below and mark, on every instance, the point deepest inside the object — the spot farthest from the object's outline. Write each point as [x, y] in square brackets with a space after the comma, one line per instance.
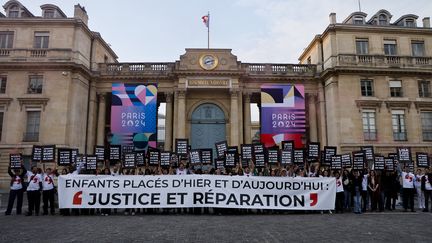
[246, 118]
[101, 119]
[234, 135]
[313, 129]
[181, 114]
[168, 121]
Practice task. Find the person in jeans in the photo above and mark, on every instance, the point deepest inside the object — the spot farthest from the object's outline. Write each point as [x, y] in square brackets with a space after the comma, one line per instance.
[408, 180]
[16, 190]
[356, 191]
[364, 192]
[347, 186]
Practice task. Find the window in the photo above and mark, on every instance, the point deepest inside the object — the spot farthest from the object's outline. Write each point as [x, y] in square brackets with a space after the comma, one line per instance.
[49, 13]
[366, 87]
[382, 19]
[3, 81]
[41, 40]
[426, 118]
[395, 88]
[424, 88]
[398, 124]
[1, 123]
[418, 49]
[362, 46]
[410, 23]
[35, 85]
[369, 127]
[14, 12]
[358, 20]
[32, 127]
[6, 39]
[390, 47]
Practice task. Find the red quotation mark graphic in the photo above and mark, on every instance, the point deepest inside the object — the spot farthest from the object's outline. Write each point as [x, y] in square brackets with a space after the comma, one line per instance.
[314, 199]
[77, 199]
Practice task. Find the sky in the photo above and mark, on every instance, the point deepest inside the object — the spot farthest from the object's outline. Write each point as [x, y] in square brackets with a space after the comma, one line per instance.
[275, 31]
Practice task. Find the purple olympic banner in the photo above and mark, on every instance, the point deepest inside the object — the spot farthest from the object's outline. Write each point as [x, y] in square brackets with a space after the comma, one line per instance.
[134, 115]
[282, 114]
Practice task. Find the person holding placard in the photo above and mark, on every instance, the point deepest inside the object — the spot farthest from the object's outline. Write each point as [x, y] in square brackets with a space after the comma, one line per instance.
[426, 186]
[48, 190]
[16, 189]
[339, 192]
[356, 191]
[420, 194]
[365, 190]
[34, 180]
[347, 184]
[408, 189]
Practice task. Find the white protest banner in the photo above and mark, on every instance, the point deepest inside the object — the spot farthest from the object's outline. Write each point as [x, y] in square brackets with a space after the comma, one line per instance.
[176, 191]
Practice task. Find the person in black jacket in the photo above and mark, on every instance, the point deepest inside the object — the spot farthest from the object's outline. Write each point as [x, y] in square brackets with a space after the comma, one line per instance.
[16, 189]
[426, 186]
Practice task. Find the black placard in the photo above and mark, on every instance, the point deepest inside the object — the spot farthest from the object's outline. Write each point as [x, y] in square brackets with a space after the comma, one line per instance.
[346, 160]
[245, 163]
[358, 160]
[115, 152]
[181, 146]
[48, 153]
[379, 163]
[140, 158]
[37, 153]
[127, 149]
[299, 156]
[219, 163]
[389, 163]
[273, 156]
[259, 160]
[74, 153]
[369, 153]
[404, 154]
[174, 160]
[100, 153]
[64, 156]
[15, 161]
[165, 158]
[246, 151]
[221, 148]
[91, 162]
[129, 160]
[422, 160]
[288, 145]
[230, 159]
[195, 156]
[329, 152]
[286, 157]
[206, 156]
[258, 148]
[233, 149]
[153, 157]
[336, 163]
[313, 151]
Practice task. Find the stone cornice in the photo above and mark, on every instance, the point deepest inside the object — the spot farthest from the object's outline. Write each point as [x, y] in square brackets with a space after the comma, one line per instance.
[419, 105]
[405, 104]
[33, 101]
[5, 101]
[374, 104]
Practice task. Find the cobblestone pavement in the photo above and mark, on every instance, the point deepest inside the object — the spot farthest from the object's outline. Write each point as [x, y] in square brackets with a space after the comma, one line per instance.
[347, 227]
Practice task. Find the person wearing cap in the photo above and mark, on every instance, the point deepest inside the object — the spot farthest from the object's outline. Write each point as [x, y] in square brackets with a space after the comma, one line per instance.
[16, 189]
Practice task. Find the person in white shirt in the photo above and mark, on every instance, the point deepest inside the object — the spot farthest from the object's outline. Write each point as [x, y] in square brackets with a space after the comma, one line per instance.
[16, 189]
[34, 179]
[48, 190]
[339, 192]
[181, 170]
[364, 192]
[426, 186]
[420, 194]
[408, 189]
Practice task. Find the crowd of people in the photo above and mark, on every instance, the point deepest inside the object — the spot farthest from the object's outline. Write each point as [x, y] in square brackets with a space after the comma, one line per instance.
[357, 191]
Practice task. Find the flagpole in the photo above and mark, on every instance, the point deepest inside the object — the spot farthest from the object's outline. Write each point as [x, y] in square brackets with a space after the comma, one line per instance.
[208, 30]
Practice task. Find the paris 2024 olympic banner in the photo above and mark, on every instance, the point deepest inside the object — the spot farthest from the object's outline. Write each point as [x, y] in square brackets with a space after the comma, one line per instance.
[179, 191]
[282, 114]
[134, 115]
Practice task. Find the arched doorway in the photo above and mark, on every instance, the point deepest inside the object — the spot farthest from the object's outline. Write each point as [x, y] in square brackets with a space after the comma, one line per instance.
[207, 126]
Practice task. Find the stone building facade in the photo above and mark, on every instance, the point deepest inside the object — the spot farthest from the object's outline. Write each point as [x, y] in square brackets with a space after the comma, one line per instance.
[367, 82]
